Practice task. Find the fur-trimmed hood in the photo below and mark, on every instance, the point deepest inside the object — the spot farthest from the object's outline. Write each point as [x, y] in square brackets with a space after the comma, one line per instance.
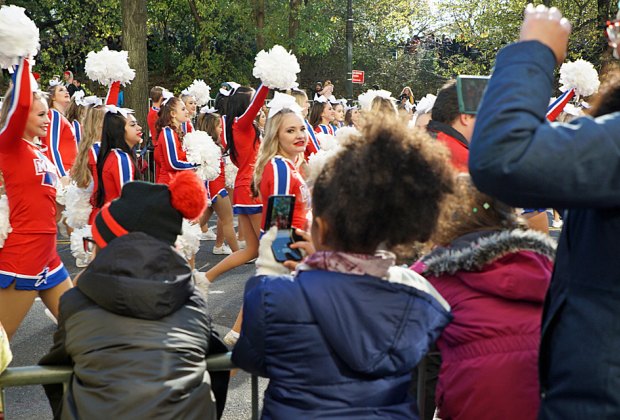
[513, 264]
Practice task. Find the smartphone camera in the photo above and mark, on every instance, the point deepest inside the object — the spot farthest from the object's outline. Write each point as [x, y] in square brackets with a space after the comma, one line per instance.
[280, 214]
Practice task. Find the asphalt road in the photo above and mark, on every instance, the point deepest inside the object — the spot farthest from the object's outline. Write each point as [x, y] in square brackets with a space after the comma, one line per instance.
[34, 338]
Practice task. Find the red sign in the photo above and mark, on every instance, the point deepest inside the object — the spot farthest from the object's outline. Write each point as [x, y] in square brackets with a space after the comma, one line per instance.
[357, 76]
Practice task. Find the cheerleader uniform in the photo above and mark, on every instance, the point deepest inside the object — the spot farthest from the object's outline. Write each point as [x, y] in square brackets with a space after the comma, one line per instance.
[313, 145]
[187, 127]
[60, 142]
[77, 131]
[151, 119]
[244, 137]
[281, 177]
[218, 185]
[118, 169]
[170, 156]
[324, 128]
[29, 256]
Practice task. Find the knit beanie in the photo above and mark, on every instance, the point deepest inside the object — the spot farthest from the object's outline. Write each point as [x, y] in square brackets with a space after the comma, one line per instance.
[155, 209]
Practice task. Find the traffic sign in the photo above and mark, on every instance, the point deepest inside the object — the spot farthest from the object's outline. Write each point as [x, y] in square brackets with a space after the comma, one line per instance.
[357, 76]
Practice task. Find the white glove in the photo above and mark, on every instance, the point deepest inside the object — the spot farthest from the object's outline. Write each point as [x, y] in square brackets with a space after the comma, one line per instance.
[266, 264]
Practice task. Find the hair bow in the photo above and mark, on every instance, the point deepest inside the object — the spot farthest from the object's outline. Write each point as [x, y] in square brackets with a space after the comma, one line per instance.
[282, 101]
[91, 101]
[332, 100]
[55, 82]
[78, 97]
[233, 88]
[207, 110]
[320, 99]
[167, 95]
[113, 109]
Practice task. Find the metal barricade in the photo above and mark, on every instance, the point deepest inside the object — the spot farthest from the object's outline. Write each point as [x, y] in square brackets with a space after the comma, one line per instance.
[43, 375]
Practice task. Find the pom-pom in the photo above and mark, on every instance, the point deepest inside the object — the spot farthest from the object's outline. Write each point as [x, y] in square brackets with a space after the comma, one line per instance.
[78, 207]
[19, 36]
[581, 76]
[61, 190]
[347, 134]
[277, 69]
[107, 67]
[201, 91]
[365, 99]
[77, 243]
[327, 141]
[188, 194]
[230, 172]
[5, 225]
[318, 160]
[426, 104]
[188, 242]
[202, 150]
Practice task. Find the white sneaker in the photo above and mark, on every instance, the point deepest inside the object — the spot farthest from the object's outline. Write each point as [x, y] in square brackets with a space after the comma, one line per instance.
[222, 250]
[557, 223]
[209, 235]
[241, 244]
[230, 339]
[51, 316]
[81, 263]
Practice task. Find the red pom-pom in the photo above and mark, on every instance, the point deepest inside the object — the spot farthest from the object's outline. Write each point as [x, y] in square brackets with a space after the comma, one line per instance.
[188, 194]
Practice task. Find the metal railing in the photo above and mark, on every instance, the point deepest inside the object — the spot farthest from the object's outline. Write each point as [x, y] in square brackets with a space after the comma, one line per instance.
[44, 375]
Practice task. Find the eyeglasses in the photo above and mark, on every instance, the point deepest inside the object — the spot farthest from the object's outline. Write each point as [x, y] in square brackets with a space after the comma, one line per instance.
[88, 243]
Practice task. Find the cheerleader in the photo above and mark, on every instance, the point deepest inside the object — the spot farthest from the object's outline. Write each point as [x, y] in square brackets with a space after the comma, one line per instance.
[321, 114]
[352, 118]
[75, 115]
[190, 105]
[169, 154]
[211, 123]
[116, 161]
[60, 140]
[313, 145]
[29, 263]
[243, 141]
[338, 115]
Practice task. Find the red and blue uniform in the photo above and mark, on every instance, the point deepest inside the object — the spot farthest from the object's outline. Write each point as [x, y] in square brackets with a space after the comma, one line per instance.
[170, 156]
[187, 127]
[313, 145]
[118, 169]
[77, 130]
[29, 256]
[281, 177]
[60, 142]
[151, 120]
[244, 136]
[325, 129]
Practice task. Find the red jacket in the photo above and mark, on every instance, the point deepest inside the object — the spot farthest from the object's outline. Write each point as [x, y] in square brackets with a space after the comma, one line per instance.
[495, 284]
[454, 141]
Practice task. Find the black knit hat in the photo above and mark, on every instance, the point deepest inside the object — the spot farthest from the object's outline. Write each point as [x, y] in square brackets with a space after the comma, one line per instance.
[155, 209]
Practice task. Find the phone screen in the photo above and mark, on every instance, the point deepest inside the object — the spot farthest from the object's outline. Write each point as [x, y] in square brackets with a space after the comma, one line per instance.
[280, 212]
[470, 90]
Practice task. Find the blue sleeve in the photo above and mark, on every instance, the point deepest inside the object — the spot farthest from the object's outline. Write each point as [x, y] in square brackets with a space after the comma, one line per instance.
[518, 156]
[249, 352]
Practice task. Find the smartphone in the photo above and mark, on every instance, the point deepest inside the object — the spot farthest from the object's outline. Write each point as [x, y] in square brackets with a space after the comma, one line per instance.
[280, 214]
[469, 90]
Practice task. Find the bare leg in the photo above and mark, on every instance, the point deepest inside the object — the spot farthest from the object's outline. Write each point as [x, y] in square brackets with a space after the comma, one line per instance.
[223, 209]
[51, 297]
[14, 305]
[219, 233]
[204, 219]
[250, 224]
[237, 326]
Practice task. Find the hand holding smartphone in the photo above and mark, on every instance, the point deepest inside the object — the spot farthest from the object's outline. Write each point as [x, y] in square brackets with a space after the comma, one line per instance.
[280, 214]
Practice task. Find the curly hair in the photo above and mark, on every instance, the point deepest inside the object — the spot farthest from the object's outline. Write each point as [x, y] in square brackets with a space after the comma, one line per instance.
[387, 188]
[468, 210]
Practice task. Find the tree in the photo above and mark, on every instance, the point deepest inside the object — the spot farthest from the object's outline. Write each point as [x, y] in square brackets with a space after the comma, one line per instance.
[134, 42]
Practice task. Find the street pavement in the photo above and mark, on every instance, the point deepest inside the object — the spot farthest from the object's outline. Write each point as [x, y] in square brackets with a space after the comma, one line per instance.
[34, 338]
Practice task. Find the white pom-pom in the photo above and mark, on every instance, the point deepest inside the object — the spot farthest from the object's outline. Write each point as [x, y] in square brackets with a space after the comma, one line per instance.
[277, 69]
[327, 141]
[426, 104]
[230, 171]
[77, 205]
[581, 76]
[201, 91]
[5, 225]
[188, 242]
[346, 134]
[61, 190]
[202, 150]
[19, 36]
[107, 67]
[77, 243]
[365, 99]
[317, 161]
